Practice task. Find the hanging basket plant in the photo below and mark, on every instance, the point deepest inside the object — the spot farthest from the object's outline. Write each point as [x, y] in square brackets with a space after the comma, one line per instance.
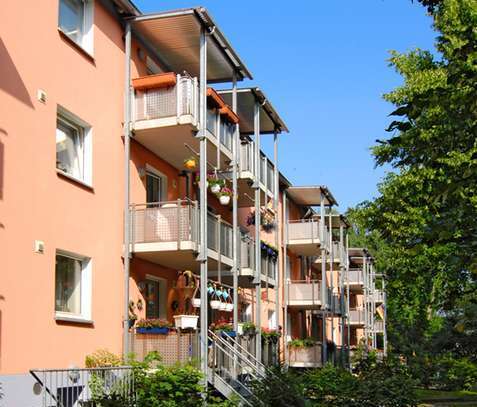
[225, 195]
[190, 163]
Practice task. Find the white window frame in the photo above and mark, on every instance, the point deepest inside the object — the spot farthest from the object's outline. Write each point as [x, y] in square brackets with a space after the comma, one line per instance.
[86, 147]
[86, 290]
[163, 179]
[86, 40]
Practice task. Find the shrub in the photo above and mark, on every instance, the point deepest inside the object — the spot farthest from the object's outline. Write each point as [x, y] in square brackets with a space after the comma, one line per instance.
[454, 374]
[102, 358]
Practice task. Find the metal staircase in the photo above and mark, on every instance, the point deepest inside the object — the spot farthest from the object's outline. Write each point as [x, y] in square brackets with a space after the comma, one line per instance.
[233, 369]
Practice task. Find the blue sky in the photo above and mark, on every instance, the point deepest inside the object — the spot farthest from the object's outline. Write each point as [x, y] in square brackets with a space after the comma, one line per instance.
[324, 67]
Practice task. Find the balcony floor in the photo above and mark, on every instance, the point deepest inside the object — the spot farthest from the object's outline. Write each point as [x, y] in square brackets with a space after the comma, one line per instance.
[304, 247]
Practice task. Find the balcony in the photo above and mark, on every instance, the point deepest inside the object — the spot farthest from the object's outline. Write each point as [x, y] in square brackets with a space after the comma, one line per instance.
[356, 317]
[304, 237]
[304, 294]
[305, 357]
[336, 252]
[378, 296]
[167, 233]
[355, 279]
[166, 119]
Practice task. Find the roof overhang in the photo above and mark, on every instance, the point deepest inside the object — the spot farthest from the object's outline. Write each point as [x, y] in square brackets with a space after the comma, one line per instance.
[358, 254]
[175, 36]
[338, 220]
[311, 195]
[270, 120]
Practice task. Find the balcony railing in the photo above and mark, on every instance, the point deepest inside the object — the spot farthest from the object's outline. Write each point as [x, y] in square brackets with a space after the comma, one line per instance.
[379, 325]
[247, 252]
[220, 130]
[354, 277]
[306, 229]
[302, 293]
[378, 296]
[268, 267]
[178, 222]
[356, 316]
[305, 357]
[247, 157]
[172, 101]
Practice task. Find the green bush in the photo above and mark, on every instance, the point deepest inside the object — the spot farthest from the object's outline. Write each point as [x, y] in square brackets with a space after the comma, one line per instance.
[454, 374]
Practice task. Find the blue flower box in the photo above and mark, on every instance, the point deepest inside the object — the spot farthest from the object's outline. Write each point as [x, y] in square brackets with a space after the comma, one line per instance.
[231, 334]
[155, 331]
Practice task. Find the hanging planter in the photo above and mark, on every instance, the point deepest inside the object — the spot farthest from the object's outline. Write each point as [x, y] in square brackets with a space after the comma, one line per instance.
[229, 306]
[196, 302]
[225, 195]
[215, 184]
[222, 306]
[190, 163]
[215, 299]
[215, 304]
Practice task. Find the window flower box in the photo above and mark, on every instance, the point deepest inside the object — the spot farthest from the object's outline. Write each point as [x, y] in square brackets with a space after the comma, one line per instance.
[186, 321]
[153, 330]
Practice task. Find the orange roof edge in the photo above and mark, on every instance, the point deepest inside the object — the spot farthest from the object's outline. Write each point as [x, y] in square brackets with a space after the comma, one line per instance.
[229, 113]
[215, 97]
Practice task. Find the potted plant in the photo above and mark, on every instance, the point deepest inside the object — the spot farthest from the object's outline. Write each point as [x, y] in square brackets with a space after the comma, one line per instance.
[215, 184]
[249, 328]
[214, 299]
[153, 326]
[225, 195]
[190, 163]
[223, 328]
[270, 335]
[186, 321]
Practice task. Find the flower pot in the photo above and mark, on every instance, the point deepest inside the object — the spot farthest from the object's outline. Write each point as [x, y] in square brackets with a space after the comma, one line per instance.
[215, 304]
[215, 188]
[196, 302]
[229, 307]
[153, 330]
[190, 164]
[223, 306]
[230, 334]
[186, 321]
[240, 328]
[224, 199]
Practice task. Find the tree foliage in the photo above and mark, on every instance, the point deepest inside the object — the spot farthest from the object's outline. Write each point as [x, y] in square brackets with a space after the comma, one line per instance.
[422, 224]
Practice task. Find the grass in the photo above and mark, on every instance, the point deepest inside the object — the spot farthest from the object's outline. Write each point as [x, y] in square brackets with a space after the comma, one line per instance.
[425, 395]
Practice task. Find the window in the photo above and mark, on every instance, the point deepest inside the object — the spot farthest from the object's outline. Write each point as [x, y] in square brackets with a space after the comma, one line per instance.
[76, 22]
[72, 286]
[272, 320]
[155, 297]
[73, 147]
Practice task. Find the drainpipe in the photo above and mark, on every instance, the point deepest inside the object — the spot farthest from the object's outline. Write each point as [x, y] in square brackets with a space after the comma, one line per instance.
[323, 276]
[127, 153]
[235, 232]
[277, 230]
[258, 262]
[203, 206]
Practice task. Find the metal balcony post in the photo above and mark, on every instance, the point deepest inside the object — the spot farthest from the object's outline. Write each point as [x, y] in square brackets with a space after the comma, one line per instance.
[286, 279]
[258, 263]
[277, 228]
[127, 152]
[235, 234]
[203, 205]
[323, 274]
[385, 306]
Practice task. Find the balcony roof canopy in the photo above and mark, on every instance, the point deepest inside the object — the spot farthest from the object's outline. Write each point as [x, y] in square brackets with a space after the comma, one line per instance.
[338, 220]
[270, 120]
[358, 254]
[311, 195]
[175, 36]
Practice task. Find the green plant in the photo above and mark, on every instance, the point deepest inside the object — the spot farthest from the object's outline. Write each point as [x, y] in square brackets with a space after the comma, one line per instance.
[454, 374]
[153, 323]
[270, 335]
[221, 326]
[102, 358]
[225, 191]
[302, 343]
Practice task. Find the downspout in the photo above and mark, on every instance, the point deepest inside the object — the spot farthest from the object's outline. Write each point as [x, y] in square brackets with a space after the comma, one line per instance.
[258, 262]
[203, 207]
[127, 153]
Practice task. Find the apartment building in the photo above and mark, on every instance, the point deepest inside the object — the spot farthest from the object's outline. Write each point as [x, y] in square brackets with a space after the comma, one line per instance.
[148, 194]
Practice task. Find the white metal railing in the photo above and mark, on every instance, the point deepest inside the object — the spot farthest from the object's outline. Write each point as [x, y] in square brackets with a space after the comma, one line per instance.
[268, 267]
[178, 221]
[378, 296]
[174, 101]
[354, 277]
[356, 316]
[247, 252]
[221, 130]
[337, 249]
[302, 292]
[85, 387]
